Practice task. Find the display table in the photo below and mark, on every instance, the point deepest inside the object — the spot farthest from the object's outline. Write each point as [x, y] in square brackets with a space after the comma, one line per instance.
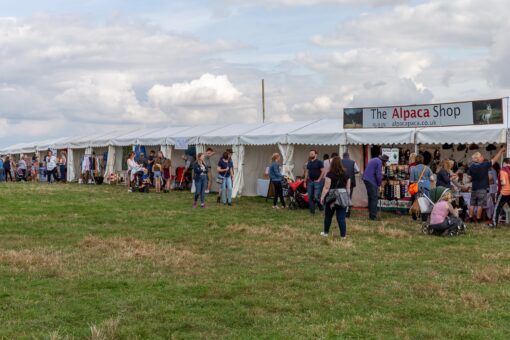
[262, 187]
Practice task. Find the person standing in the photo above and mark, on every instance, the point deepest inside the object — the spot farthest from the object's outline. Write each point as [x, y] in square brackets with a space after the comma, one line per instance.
[479, 173]
[276, 179]
[423, 176]
[351, 169]
[63, 166]
[372, 177]
[2, 171]
[7, 168]
[226, 171]
[444, 173]
[22, 167]
[167, 174]
[327, 163]
[200, 176]
[51, 167]
[504, 192]
[207, 159]
[336, 184]
[313, 177]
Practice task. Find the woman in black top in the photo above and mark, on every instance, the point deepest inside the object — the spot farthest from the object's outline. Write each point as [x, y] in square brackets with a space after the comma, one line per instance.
[7, 168]
[335, 179]
[444, 173]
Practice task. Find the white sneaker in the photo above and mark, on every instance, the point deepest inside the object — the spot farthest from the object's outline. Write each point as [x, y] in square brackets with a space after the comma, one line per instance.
[323, 234]
[276, 207]
[207, 191]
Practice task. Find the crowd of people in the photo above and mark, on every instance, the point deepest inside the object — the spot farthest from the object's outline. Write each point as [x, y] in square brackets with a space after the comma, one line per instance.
[50, 169]
[156, 171]
[487, 182]
[329, 182]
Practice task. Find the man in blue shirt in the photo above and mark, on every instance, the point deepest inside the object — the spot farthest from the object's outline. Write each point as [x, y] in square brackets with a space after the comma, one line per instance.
[373, 179]
[313, 177]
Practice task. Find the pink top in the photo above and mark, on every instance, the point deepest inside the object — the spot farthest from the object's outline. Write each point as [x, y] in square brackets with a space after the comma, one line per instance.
[439, 212]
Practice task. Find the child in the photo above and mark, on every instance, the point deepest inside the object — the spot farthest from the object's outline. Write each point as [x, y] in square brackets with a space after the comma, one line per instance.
[167, 170]
[146, 181]
[35, 170]
[156, 169]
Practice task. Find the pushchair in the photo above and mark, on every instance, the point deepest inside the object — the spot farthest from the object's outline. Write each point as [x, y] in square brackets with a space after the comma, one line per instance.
[182, 178]
[427, 203]
[298, 197]
[21, 175]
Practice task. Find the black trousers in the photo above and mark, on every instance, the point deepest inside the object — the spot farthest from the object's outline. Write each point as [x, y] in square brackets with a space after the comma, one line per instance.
[51, 173]
[278, 192]
[500, 203]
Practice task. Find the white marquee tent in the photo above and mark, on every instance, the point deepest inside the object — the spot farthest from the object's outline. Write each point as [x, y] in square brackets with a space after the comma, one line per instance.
[253, 144]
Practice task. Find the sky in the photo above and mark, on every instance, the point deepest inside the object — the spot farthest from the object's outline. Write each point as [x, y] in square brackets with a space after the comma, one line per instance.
[71, 68]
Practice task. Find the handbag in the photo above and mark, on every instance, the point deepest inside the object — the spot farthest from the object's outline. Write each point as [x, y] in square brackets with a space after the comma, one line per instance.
[220, 179]
[413, 187]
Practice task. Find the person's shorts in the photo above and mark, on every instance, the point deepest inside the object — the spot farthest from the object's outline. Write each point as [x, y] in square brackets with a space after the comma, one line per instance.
[157, 174]
[479, 198]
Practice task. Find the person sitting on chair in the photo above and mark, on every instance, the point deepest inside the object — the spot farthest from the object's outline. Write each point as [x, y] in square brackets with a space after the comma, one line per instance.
[444, 216]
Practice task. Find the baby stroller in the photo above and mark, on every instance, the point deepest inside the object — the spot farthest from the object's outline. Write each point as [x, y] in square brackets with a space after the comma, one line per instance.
[21, 175]
[298, 198]
[182, 178]
[426, 206]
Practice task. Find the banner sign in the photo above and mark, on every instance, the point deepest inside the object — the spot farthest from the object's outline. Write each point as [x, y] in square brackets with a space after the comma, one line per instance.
[181, 144]
[447, 114]
[392, 155]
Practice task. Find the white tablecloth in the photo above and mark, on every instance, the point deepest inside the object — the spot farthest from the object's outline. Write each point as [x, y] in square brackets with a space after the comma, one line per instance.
[262, 187]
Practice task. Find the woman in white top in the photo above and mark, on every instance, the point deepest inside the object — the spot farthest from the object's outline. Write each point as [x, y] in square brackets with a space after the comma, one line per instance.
[133, 168]
[51, 167]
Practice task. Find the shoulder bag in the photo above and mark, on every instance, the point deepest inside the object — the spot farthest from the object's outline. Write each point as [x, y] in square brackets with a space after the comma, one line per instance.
[414, 187]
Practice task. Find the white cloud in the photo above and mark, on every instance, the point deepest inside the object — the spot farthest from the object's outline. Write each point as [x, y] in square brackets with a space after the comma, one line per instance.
[207, 90]
[295, 3]
[435, 23]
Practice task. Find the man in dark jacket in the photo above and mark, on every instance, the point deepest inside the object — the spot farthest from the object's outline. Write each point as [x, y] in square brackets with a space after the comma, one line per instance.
[373, 179]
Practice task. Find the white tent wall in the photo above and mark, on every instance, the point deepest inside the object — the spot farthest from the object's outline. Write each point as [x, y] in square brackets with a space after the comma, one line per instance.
[118, 161]
[167, 151]
[77, 155]
[70, 166]
[110, 162]
[287, 155]
[238, 160]
[256, 160]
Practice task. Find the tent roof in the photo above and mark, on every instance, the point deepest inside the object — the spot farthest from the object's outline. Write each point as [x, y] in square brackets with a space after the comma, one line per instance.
[272, 133]
[227, 135]
[483, 134]
[159, 136]
[380, 136]
[321, 132]
[132, 137]
[192, 135]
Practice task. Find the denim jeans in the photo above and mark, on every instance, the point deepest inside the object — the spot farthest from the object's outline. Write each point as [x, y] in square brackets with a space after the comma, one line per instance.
[341, 213]
[2, 174]
[226, 190]
[200, 186]
[314, 192]
[373, 196]
[63, 173]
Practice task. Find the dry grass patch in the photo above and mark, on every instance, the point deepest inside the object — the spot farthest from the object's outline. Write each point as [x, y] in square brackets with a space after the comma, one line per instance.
[492, 275]
[496, 256]
[474, 301]
[429, 290]
[127, 248]
[281, 232]
[106, 331]
[33, 260]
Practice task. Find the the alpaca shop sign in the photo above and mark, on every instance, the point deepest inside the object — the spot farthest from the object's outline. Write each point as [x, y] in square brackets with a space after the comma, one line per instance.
[446, 114]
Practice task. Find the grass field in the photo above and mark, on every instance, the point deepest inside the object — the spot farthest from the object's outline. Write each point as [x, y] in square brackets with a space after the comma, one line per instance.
[99, 262]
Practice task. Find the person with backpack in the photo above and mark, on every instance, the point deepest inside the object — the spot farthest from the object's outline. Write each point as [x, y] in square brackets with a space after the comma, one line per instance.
[421, 175]
[503, 192]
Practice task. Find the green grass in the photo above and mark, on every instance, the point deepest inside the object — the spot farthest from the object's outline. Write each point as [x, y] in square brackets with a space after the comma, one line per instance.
[98, 262]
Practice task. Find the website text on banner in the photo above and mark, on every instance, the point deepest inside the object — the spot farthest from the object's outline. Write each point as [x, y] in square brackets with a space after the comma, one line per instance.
[445, 114]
